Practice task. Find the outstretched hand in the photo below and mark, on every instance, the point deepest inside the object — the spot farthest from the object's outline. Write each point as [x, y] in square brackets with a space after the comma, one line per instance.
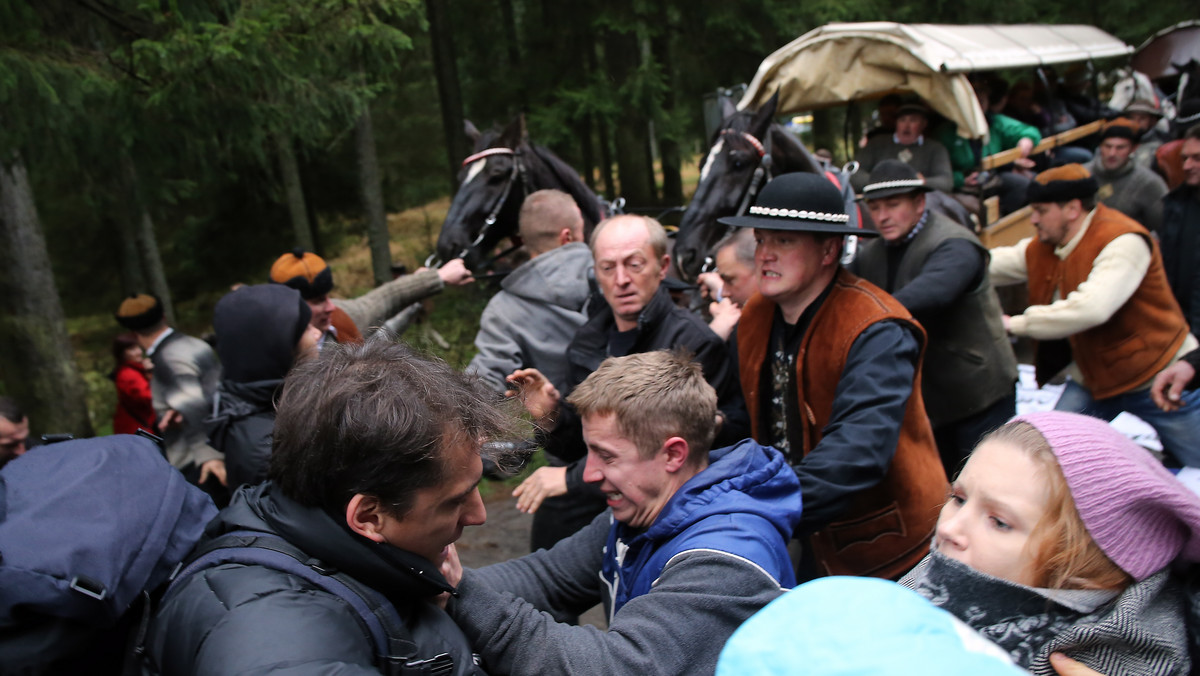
[1168, 385]
[214, 467]
[455, 273]
[546, 482]
[537, 393]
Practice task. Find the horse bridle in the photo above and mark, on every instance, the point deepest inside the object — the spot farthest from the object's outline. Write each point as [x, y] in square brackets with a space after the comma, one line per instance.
[516, 174]
[760, 177]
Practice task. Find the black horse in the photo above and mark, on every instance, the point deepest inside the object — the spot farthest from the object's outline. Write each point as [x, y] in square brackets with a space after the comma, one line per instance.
[493, 183]
[746, 151]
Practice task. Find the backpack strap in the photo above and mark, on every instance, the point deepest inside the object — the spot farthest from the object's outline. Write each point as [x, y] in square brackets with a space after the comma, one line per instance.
[395, 650]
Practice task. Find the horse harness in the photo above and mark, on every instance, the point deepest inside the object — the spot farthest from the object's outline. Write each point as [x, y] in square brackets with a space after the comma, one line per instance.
[757, 181]
[517, 174]
[761, 172]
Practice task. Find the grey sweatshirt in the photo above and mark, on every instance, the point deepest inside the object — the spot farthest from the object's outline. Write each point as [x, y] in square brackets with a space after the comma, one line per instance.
[678, 628]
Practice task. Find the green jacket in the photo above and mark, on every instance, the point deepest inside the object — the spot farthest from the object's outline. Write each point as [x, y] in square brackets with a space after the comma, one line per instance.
[1003, 133]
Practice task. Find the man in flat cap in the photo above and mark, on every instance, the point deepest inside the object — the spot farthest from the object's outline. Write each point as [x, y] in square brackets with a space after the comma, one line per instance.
[937, 269]
[909, 145]
[1100, 306]
[344, 321]
[186, 376]
[1133, 190]
[830, 369]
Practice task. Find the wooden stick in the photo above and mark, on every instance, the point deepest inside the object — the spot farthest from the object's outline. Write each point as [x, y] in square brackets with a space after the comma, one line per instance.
[1009, 156]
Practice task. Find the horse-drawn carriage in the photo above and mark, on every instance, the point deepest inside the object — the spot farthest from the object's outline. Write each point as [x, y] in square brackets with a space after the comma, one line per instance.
[834, 65]
[845, 63]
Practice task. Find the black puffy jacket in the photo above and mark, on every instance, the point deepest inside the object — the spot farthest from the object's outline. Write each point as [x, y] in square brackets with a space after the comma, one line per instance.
[239, 619]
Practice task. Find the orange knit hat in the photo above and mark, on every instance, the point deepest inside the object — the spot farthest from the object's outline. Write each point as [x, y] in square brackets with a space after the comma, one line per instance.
[305, 272]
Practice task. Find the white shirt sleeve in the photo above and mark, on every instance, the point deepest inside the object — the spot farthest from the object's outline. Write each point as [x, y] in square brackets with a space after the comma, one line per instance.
[1116, 274]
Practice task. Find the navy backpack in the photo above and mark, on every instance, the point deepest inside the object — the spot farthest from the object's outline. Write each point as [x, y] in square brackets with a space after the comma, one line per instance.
[88, 529]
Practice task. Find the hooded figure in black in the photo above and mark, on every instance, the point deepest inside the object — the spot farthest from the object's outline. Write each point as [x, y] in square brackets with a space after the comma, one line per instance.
[259, 332]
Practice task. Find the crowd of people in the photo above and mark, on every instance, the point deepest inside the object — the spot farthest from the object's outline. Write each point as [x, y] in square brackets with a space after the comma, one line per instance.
[822, 420]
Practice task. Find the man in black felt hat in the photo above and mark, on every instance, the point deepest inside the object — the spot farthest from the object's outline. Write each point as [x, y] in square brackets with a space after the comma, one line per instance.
[937, 269]
[830, 367]
[908, 144]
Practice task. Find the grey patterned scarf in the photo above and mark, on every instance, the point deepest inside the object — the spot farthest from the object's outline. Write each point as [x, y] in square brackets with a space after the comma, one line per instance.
[1139, 631]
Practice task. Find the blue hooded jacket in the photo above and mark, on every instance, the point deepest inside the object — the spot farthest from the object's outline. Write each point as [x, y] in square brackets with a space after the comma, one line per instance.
[746, 503]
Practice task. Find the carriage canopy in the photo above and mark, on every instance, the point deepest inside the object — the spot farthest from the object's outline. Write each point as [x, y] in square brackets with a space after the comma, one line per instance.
[843, 62]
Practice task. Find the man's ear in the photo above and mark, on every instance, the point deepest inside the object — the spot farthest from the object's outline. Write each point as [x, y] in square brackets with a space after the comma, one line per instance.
[365, 517]
[831, 250]
[565, 237]
[676, 451]
[664, 265]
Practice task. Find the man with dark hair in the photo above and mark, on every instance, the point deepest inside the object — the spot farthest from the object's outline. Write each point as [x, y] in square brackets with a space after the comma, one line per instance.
[186, 375]
[374, 474]
[1100, 306]
[694, 542]
[937, 269]
[345, 321]
[540, 305]
[1133, 190]
[14, 430]
[733, 283]
[1179, 235]
[831, 372]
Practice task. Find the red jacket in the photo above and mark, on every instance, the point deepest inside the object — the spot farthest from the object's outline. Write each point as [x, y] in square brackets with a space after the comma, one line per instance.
[134, 406]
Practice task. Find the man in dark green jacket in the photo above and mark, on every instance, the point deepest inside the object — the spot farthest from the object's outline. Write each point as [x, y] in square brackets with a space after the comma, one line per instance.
[937, 269]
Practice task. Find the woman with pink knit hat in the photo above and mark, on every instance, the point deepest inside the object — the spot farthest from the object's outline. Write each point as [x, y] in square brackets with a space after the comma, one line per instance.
[1059, 536]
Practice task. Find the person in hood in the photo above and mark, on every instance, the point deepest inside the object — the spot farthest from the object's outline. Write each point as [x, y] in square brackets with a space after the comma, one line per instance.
[692, 544]
[367, 481]
[541, 304]
[261, 331]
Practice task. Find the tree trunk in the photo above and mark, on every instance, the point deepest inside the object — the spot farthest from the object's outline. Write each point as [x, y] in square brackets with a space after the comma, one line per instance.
[606, 160]
[372, 198]
[36, 361]
[132, 279]
[147, 243]
[449, 94]
[152, 263]
[289, 171]
[512, 39]
[667, 128]
[632, 134]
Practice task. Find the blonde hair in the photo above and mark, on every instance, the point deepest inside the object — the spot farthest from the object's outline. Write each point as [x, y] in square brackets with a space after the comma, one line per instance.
[655, 396]
[1065, 556]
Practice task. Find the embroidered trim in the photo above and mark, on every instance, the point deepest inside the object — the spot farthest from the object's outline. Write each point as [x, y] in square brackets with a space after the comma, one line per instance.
[487, 153]
[902, 183]
[800, 215]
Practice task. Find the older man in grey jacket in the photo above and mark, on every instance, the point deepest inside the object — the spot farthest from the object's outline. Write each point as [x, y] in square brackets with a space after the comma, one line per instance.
[530, 322]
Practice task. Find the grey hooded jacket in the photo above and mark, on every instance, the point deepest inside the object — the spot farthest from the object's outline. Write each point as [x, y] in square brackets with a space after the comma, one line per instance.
[530, 322]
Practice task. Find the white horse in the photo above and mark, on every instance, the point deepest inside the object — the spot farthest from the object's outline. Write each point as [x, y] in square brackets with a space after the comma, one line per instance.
[1134, 86]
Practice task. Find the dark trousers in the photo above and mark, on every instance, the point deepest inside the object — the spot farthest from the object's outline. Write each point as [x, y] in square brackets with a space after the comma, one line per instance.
[956, 440]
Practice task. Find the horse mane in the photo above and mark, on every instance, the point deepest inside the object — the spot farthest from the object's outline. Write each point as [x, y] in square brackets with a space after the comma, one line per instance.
[589, 205]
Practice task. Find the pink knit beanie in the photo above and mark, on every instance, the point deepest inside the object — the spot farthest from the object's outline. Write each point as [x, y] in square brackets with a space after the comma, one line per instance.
[1142, 517]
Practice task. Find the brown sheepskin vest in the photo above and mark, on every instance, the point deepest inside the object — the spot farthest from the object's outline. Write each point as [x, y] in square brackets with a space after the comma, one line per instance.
[888, 528]
[1145, 333]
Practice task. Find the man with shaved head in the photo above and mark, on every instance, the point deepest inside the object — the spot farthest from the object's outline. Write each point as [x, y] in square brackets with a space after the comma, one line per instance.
[530, 322]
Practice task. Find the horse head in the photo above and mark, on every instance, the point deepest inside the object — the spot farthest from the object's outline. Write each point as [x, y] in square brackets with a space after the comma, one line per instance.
[736, 158]
[492, 183]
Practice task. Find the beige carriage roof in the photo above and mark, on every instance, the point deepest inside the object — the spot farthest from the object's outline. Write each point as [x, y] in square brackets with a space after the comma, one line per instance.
[843, 62]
